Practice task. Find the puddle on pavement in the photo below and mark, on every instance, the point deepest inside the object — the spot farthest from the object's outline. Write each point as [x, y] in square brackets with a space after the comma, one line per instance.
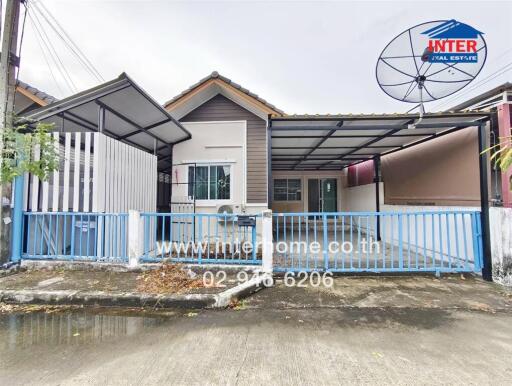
[70, 328]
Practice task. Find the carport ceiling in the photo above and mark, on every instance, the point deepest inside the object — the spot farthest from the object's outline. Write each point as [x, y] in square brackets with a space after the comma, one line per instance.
[334, 142]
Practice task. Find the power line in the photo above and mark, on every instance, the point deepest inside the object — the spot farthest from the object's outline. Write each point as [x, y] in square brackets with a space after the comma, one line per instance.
[84, 57]
[38, 39]
[48, 54]
[66, 39]
[53, 53]
[19, 50]
[480, 83]
[476, 85]
[48, 43]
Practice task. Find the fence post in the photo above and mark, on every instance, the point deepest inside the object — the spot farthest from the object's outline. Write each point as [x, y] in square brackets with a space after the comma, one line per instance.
[135, 237]
[325, 242]
[400, 242]
[266, 236]
[17, 222]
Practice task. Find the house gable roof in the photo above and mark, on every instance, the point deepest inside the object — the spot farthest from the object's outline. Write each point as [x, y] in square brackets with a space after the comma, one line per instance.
[215, 84]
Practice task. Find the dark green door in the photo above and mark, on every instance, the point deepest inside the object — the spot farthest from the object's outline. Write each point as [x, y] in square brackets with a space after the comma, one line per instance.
[322, 195]
[328, 195]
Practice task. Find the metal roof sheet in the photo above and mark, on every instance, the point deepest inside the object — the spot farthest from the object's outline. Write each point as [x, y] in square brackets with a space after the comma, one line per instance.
[131, 115]
[327, 142]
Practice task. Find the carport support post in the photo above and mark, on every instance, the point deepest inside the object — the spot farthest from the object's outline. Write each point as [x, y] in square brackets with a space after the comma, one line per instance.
[376, 179]
[484, 203]
[269, 161]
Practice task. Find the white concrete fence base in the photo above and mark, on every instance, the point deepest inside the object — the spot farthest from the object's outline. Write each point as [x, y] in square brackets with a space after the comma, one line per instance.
[135, 238]
[266, 238]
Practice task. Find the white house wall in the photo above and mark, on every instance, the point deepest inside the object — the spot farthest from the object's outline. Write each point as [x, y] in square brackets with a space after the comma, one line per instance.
[212, 143]
[219, 142]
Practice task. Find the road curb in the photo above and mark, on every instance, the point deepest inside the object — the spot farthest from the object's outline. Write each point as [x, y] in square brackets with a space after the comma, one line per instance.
[134, 299]
[122, 267]
[242, 290]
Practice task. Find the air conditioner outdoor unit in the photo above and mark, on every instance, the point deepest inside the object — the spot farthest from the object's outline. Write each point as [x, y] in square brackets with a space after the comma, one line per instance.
[229, 209]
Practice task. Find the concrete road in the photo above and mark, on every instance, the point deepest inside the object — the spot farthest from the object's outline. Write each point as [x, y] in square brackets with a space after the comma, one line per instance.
[365, 330]
[259, 346]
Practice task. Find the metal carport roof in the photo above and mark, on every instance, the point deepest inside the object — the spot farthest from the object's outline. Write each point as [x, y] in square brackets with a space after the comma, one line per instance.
[334, 142]
[120, 109]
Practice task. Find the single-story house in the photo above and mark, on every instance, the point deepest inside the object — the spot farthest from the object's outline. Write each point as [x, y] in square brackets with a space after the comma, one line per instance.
[218, 148]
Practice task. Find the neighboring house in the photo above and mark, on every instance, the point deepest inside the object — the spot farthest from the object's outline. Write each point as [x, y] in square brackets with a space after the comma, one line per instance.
[29, 98]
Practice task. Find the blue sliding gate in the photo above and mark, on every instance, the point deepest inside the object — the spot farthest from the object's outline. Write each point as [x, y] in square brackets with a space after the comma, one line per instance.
[436, 241]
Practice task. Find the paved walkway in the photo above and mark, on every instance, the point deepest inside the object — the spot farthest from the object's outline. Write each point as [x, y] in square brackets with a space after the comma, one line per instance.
[414, 292]
[348, 251]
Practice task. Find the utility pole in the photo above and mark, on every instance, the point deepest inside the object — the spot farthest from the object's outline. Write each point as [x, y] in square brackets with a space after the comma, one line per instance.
[8, 63]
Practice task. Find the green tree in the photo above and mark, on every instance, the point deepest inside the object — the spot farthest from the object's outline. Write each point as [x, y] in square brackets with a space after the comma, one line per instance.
[19, 147]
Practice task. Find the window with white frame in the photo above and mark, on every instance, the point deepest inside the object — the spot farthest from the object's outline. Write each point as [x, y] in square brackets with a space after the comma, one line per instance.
[209, 182]
[287, 189]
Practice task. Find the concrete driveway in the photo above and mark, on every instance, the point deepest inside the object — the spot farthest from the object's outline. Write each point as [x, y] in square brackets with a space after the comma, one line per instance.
[364, 331]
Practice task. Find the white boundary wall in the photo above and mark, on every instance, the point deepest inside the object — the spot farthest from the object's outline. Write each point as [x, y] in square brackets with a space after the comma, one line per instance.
[105, 176]
[501, 244]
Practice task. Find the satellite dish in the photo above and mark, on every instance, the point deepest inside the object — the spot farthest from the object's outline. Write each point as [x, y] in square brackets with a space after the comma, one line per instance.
[431, 61]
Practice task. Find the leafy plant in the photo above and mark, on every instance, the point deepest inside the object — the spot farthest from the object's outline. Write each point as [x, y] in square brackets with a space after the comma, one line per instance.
[20, 145]
[502, 154]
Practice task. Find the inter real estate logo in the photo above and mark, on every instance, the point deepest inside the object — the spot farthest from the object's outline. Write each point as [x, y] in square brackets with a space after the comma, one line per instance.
[452, 42]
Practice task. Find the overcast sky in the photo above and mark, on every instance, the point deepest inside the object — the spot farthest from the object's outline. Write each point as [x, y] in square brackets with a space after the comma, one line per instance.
[304, 57]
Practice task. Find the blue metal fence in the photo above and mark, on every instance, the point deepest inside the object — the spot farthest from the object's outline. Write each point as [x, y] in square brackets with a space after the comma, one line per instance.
[75, 236]
[444, 241]
[199, 238]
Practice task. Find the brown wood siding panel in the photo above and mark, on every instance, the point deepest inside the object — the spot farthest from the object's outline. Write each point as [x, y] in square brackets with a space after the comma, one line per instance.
[220, 108]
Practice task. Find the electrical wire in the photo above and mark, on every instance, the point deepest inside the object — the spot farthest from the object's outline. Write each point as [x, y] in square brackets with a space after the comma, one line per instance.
[66, 39]
[53, 52]
[93, 69]
[478, 84]
[25, 4]
[38, 39]
[45, 50]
